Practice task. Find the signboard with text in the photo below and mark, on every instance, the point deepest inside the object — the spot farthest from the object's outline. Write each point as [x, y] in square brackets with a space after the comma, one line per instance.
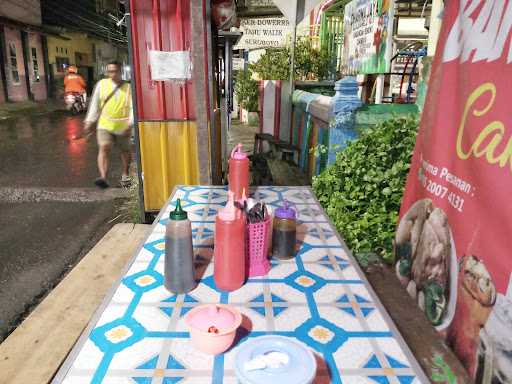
[453, 237]
[368, 33]
[270, 32]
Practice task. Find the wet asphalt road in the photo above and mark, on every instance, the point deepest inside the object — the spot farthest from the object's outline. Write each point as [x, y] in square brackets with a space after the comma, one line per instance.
[39, 151]
[41, 241]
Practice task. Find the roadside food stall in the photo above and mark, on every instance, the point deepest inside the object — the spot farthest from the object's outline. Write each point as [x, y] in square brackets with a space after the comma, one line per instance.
[232, 284]
[201, 302]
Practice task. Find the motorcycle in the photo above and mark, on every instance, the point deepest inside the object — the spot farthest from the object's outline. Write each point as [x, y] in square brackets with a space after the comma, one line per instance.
[75, 102]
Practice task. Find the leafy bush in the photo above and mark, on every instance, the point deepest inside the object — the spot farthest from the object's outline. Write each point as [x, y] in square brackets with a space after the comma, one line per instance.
[362, 191]
[310, 62]
[247, 90]
[274, 64]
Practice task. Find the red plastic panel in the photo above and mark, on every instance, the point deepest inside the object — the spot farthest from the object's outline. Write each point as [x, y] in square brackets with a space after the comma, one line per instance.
[162, 25]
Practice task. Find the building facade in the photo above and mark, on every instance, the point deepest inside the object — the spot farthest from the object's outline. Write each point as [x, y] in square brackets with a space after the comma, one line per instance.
[23, 63]
[70, 48]
[33, 60]
[89, 54]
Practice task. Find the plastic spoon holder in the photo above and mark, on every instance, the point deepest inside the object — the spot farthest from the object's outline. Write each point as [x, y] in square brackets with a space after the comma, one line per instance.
[258, 237]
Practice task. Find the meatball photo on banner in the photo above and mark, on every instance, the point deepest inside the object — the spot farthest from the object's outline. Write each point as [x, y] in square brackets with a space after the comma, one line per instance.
[453, 238]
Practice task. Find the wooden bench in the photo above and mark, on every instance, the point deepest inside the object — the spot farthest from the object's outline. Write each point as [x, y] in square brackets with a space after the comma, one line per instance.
[259, 139]
[277, 147]
[35, 350]
[288, 151]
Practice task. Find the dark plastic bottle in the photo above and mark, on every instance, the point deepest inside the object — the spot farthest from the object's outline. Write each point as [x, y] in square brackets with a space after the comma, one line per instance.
[179, 255]
[284, 233]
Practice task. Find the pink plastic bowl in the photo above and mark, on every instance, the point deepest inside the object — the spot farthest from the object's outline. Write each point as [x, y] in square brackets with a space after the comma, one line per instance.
[222, 318]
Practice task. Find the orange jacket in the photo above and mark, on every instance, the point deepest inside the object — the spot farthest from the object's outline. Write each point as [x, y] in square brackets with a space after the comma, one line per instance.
[74, 83]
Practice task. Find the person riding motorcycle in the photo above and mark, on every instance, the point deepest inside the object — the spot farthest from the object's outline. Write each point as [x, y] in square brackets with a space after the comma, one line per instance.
[73, 82]
[74, 86]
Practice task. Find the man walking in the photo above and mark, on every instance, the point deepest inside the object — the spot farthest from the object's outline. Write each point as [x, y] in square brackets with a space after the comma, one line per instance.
[111, 108]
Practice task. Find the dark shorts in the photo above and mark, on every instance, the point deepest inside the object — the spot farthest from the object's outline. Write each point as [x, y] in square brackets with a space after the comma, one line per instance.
[105, 137]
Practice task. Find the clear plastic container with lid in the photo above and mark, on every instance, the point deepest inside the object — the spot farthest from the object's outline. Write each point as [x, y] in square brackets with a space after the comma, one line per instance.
[284, 232]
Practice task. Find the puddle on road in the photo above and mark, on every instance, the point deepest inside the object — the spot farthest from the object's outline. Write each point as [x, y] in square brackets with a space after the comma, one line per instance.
[39, 150]
[34, 126]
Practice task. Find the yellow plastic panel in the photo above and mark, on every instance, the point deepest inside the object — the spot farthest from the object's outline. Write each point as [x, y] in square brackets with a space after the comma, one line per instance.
[169, 158]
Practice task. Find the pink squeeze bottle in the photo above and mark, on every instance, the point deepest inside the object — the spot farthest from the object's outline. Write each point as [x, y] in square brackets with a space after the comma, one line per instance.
[229, 251]
[238, 176]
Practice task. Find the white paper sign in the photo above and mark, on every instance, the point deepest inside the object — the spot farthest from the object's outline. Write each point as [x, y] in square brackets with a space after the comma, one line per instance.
[238, 63]
[170, 65]
[269, 32]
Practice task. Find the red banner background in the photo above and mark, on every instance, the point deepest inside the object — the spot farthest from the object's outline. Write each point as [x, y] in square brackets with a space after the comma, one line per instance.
[462, 165]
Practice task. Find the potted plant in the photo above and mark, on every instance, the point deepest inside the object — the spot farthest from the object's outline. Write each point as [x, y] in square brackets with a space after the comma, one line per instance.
[273, 69]
[247, 93]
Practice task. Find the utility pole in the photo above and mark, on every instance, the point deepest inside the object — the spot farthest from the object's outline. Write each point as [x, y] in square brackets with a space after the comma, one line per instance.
[292, 54]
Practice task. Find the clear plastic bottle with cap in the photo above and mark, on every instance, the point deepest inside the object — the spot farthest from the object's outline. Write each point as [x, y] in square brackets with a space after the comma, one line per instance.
[179, 271]
[229, 252]
[284, 232]
[238, 176]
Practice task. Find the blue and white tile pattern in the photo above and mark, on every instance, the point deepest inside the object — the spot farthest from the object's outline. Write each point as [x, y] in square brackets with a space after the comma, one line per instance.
[319, 298]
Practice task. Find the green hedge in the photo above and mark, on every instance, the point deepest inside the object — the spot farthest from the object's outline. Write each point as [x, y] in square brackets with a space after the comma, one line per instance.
[362, 191]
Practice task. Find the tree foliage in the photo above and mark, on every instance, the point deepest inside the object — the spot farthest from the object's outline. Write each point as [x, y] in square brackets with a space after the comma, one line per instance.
[247, 90]
[310, 63]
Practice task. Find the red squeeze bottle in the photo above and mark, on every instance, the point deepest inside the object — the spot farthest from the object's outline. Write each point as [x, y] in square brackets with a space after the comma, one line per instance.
[238, 176]
[229, 252]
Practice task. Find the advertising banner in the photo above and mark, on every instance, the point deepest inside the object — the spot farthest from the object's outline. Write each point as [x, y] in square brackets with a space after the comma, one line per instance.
[453, 241]
[368, 36]
[270, 32]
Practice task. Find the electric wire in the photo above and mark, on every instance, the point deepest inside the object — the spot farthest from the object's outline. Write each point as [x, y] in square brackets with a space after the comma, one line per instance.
[91, 27]
[71, 19]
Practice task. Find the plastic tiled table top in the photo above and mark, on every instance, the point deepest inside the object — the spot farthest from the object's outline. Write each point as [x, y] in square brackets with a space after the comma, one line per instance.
[320, 298]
